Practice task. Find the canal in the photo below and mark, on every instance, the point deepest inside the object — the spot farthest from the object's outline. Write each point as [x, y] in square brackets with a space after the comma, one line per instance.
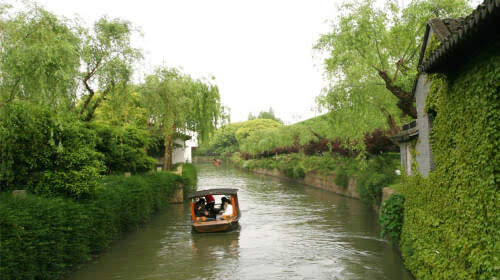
[287, 231]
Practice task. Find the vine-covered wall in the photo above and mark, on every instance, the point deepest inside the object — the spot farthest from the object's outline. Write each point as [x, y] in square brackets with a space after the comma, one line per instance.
[451, 222]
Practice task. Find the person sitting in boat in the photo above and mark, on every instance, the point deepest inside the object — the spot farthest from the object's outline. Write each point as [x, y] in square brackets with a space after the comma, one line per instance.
[210, 202]
[226, 208]
[209, 214]
[199, 207]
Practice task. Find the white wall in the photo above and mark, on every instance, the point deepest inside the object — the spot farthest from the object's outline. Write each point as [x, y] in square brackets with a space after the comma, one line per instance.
[178, 153]
[183, 154]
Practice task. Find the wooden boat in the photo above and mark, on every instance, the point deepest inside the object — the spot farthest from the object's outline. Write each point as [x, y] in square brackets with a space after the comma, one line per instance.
[222, 223]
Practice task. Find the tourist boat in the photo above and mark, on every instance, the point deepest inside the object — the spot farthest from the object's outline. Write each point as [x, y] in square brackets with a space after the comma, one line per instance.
[221, 223]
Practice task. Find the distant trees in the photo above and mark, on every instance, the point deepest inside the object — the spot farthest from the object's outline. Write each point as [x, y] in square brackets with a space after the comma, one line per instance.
[265, 115]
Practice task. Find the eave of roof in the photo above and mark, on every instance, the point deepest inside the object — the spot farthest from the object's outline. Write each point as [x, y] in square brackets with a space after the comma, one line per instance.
[220, 191]
[483, 23]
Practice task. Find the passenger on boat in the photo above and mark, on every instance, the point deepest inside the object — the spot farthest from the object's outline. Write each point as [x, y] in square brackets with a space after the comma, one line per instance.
[209, 214]
[210, 202]
[226, 206]
[200, 207]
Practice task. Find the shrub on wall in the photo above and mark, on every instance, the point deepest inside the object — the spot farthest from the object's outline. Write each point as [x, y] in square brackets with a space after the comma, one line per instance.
[379, 173]
[391, 217]
[452, 222]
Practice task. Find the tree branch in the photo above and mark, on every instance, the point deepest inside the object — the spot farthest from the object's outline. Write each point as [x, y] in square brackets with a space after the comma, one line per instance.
[87, 86]
[393, 127]
[364, 57]
[316, 134]
[96, 104]
[377, 46]
[405, 102]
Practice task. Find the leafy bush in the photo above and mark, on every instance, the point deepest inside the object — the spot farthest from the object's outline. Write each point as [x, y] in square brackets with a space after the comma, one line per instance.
[391, 217]
[44, 238]
[379, 173]
[341, 177]
[298, 172]
[189, 178]
[124, 148]
[47, 153]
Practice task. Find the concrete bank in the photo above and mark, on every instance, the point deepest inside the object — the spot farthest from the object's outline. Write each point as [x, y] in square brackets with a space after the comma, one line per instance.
[325, 182]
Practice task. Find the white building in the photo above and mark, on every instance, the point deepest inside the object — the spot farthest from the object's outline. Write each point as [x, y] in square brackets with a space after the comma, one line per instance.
[182, 152]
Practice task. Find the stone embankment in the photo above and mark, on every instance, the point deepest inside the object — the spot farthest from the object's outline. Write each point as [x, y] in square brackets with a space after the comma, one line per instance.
[325, 182]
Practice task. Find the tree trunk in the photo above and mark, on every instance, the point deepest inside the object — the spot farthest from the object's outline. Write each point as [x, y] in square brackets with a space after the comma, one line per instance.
[169, 141]
[406, 102]
[167, 164]
[91, 95]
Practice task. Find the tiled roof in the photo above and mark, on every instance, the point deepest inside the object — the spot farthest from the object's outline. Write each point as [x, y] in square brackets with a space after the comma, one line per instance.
[458, 36]
[444, 27]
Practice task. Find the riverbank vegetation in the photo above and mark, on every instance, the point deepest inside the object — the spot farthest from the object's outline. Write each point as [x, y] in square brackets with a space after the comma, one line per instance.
[308, 146]
[46, 237]
[71, 123]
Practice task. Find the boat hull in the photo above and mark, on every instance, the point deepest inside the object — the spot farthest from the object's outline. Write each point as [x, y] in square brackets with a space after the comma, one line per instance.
[214, 226]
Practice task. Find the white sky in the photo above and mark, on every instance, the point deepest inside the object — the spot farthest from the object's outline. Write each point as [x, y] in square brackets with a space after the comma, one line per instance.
[260, 51]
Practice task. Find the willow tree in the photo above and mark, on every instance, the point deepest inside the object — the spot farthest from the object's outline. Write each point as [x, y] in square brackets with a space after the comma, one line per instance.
[372, 53]
[39, 59]
[108, 58]
[177, 103]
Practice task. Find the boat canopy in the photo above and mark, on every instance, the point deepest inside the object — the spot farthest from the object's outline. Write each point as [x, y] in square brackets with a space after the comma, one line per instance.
[212, 191]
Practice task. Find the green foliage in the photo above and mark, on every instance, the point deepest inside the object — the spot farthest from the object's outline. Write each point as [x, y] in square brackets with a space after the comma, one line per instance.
[323, 164]
[125, 110]
[341, 177]
[107, 59]
[174, 101]
[291, 166]
[228, 138]
[45, 238]
[452, 223]
[46, 153]
[265, 115]
[253, 126]
[267, 139]
[124, 148]
[371, 58]
[379, 173]
[391, 217]
[39, 59]
[189, 178]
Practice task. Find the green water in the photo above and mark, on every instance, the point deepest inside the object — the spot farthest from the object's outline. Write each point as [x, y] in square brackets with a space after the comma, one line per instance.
[287, 231]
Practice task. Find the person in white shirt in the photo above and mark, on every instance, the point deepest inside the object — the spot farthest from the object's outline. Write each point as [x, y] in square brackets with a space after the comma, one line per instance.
[228, 208]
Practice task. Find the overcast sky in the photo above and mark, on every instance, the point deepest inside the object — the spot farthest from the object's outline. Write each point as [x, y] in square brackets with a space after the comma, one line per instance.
[260, 51]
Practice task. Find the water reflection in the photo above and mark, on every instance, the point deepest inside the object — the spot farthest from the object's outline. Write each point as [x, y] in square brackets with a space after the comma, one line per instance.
[287, 231]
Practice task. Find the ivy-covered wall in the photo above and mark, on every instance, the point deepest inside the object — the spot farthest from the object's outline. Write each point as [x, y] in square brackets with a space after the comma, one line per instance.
[451, 222]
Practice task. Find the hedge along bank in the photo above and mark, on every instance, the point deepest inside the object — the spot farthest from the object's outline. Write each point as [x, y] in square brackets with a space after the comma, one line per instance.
[451, 223]
[45, 237]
